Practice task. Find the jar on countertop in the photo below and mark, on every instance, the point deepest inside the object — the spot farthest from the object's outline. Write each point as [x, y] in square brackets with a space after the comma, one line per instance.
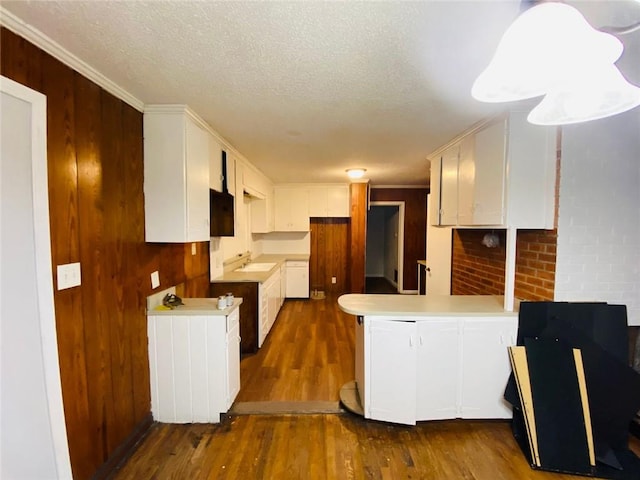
[230, 299]
[222, 302]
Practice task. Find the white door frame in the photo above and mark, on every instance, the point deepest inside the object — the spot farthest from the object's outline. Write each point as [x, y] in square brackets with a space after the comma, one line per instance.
[400, 206]
[43, 275]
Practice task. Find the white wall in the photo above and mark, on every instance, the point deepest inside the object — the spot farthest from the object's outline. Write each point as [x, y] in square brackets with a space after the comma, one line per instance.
[598, 256]
[286, 242]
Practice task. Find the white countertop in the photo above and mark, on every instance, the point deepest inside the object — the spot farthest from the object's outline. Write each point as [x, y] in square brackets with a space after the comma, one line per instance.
[422, 305]
[260, 277]
[198, 306]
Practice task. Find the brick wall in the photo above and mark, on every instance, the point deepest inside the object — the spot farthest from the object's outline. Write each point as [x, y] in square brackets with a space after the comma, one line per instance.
[478, 270]
[535, 264]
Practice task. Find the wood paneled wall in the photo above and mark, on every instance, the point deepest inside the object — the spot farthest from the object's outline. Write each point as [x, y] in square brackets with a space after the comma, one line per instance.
[329, 248]
[415, 227]
[358, 236]
[95, 168]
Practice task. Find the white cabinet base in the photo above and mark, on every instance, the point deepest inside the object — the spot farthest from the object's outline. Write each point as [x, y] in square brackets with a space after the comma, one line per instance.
[194, 363]
[433, 368]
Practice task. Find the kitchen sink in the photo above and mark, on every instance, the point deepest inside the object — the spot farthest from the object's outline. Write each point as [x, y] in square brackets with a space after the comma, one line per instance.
[256, 267]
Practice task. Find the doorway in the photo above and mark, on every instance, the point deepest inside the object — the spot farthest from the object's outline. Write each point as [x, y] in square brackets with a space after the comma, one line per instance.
[34, 438]
[384, 251]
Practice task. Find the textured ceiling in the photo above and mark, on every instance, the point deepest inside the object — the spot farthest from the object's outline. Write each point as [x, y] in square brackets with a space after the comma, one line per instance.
[303, 90]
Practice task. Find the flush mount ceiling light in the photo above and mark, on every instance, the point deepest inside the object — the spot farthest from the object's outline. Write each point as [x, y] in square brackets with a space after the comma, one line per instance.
[356, 172]
[550, 50]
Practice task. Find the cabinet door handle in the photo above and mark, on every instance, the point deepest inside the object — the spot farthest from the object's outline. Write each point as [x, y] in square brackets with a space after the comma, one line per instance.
[411, 341]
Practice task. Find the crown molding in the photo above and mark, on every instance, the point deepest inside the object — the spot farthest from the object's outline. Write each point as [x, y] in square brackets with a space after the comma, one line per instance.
[39, 39]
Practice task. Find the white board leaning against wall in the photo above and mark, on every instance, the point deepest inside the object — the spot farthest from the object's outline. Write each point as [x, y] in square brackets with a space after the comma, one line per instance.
[33, 437]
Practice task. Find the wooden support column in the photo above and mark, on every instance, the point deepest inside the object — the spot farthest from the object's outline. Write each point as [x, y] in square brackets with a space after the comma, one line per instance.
[358, 236]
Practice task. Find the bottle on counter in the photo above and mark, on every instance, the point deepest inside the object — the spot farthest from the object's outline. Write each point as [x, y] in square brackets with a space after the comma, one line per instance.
[230, 299]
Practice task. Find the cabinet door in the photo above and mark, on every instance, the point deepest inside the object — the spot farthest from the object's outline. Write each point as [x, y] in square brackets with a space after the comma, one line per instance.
[466, 181]
[197, 170]
[233, 360]
[291, 209]
[434, 192]
[338, 201]
[489, 183]
[215, 164]
[283, 283]
[438, 372]
[297, 279]
[391, 385]
[485, 366]
[263, 314]
[273, 294]
[318, 201]
[449, 186]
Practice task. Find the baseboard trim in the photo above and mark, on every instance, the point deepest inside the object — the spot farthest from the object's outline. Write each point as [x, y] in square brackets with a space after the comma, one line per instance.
[124, 451]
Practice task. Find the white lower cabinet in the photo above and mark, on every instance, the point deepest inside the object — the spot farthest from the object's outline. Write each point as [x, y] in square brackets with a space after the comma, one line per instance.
[269, 305]
[434, 368]
[297, 279]
[485, 366]
[391, 393]
[232, 371]
[194, 363]
[283, 283]
[438, 366]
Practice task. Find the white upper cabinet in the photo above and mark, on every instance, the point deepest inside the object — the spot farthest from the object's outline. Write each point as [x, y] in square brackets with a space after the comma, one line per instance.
[501, 174]
[444, 186]
[481, 177]
[231, 174]
[262, 218]
[215, 164]
[329, 201]
[176, 175]
[291, 209]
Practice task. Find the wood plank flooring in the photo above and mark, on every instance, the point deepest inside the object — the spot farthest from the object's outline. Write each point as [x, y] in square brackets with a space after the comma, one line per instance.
[306, 359]
[308, 355]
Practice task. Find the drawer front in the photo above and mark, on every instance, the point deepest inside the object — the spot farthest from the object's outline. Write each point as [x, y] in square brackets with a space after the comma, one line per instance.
[297, 263]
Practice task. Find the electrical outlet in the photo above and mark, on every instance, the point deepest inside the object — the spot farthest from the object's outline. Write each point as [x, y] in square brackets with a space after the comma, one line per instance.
[334, 280]
[68, 275]
[155, 279]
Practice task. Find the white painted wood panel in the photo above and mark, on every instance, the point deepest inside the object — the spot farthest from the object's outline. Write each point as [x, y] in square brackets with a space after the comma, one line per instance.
[194, 363]
[391, 383]
[485, 367]
[437, 377]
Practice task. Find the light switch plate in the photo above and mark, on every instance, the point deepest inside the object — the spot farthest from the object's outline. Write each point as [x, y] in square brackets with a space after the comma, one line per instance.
[69, 275]
[193, 249]
[155, 279]
[334, 280]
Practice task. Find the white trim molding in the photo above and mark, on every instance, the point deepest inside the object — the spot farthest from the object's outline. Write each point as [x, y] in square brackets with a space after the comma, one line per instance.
[39, 39]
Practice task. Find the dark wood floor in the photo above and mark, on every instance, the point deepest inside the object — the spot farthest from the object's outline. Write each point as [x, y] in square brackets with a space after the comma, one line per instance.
[379, 285]
[306, 358]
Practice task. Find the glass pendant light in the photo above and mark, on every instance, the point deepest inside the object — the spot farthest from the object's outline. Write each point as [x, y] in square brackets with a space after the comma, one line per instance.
[539, 47]
[586, 95]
